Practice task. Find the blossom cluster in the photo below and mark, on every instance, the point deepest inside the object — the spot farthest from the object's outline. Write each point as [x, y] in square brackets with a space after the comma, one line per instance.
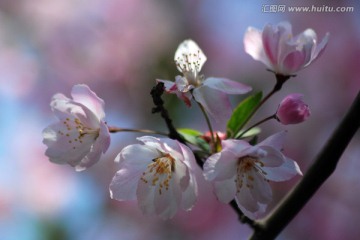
[160, 173]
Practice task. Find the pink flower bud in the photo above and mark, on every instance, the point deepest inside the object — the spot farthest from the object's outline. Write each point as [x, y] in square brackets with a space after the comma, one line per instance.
[292, 110]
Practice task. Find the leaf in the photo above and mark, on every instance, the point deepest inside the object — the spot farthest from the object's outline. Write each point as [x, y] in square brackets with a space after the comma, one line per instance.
[241, 114]
[194, 137]
[250, 133]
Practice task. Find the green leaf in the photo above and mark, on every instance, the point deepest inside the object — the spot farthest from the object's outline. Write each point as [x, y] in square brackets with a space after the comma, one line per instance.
[194, 137]
[241, 114]
[252, 132]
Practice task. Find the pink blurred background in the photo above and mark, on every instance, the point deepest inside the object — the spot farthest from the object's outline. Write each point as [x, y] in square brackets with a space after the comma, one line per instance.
[119, 48]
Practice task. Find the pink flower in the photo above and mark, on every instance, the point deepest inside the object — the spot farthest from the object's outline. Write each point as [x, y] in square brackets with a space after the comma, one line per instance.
[244, 171]
[159, 174]
[282, 53]
[211, 93]
[292, 110]
[81, 135]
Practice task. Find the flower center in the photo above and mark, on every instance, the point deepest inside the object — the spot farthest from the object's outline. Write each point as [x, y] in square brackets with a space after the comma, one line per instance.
[246, 168]
[75, 130]
[159, 172]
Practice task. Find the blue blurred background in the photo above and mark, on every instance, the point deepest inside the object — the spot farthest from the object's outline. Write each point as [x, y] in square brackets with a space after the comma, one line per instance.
[119, 48]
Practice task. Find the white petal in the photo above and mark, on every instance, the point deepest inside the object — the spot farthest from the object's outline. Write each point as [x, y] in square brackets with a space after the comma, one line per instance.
[189, 196]
[62, 147]
[272, 158]
[235, 146]
[276, 140]
[168, 201]
[245, 200]
[82, 93]
[100, 146]
[286, 171]
[225, 190]
[261, 190]
[137, 156]
[124, 183]
[189, 57]
[254, 46]
[319, 49]
[226, 85]
[145, 194]
[220, 166]
[215, 102]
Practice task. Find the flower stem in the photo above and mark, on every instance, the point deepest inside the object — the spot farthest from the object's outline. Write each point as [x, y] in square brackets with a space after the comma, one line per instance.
[116, 129]
[212, 145]
[257, 124]
[280, 80]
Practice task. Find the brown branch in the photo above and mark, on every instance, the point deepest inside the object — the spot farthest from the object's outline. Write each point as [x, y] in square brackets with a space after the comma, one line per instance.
[323, 166]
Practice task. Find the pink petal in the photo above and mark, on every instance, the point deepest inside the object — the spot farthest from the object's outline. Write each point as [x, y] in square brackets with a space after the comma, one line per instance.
[293, 62]
[226, 85]
[253, 44]
[81, 93]
[215, 103]
[225, 190]
[169, 85]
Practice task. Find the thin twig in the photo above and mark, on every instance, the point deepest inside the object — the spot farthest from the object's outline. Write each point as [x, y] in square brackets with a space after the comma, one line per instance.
[156, 93]
[116, 130]
[323, 166]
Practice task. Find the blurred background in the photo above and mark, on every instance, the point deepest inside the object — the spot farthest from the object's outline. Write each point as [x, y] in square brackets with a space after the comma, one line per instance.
[119, 48]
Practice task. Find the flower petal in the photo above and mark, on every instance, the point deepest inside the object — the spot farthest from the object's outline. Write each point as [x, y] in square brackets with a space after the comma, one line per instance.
[235, 146]
[189, 196]
[215, 103]
[286, 171]
[226, 85]
[189, 57]
[124, 184]
[254, 46]
[276, 140]
[170, 86]
[168, 200]
[137, 156]
[245, 200]
[100, 146]
[319, 49]
[225, 190]
[82, 93]
[261, 190]
[145, 194]
[62, 148]
[293, 62]
[220, 166]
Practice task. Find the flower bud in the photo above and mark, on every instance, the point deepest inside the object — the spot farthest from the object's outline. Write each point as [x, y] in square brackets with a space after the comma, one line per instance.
[292, 110]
